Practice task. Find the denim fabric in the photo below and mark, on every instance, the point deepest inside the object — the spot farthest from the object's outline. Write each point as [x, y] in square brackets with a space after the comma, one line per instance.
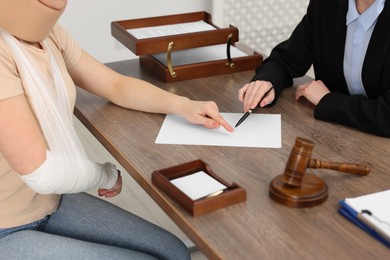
[86, 227]
[37, 225]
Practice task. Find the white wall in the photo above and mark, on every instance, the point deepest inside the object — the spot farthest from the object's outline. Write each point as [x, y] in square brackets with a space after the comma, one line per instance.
[88, 21]
[262, 23]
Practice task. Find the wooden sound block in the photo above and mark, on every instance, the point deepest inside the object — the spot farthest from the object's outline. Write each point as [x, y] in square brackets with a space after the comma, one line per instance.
[312, 192]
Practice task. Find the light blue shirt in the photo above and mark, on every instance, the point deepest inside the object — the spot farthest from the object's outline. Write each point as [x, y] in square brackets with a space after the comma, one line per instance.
[359, 30]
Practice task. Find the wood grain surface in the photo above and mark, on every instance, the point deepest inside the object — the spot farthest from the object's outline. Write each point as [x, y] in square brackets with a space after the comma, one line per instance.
[259, 228]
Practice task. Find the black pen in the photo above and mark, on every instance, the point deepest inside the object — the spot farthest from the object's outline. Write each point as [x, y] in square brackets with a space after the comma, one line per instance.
[251, 110]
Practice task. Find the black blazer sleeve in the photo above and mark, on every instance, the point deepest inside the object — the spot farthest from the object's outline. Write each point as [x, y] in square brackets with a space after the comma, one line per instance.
[289, 59]
[319, 39]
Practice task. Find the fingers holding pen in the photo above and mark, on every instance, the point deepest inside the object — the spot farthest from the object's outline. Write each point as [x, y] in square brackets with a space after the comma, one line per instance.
[256, 93]
[267, 97]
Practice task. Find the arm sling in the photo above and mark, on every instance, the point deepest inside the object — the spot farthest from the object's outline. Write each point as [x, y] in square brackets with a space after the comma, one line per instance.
[67, 168]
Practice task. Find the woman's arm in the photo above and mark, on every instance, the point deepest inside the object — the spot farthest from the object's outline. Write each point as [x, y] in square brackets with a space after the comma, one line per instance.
[21, 141]
[289, 59]
[24, 148]
[137, 94]
[368, 115]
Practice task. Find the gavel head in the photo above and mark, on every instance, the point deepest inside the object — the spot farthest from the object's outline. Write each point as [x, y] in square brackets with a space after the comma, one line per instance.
[298, 161]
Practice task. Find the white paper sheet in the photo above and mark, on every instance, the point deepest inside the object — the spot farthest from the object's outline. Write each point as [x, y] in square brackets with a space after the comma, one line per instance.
[258, 130]
[198, 185]
[201, 54]
[172, 29]
[378, 205]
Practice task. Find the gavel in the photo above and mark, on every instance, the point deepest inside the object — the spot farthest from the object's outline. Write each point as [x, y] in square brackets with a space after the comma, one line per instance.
[300, 160]
[296, 188]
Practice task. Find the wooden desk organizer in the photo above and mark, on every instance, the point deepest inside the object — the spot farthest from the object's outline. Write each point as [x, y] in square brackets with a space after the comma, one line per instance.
[146, 48]
[231, 195]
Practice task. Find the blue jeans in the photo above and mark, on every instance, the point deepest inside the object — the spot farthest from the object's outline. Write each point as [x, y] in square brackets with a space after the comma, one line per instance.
[86, 227]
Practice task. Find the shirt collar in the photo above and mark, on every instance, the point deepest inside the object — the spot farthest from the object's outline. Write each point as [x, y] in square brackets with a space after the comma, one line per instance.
[368, 18]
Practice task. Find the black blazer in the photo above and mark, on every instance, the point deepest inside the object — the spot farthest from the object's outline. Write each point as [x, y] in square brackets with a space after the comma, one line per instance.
[319, 39]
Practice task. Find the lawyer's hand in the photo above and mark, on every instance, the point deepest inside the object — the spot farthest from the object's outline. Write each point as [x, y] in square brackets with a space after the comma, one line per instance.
[313, 91]
[251, 93]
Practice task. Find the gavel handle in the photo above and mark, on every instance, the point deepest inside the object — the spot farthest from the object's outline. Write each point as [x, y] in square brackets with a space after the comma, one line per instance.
[342, 167]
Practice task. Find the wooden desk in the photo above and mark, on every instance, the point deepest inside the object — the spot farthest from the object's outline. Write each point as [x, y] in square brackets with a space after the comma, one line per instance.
[258, 228]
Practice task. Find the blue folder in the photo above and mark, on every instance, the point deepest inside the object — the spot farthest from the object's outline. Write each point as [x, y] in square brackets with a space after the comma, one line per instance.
[352, 215]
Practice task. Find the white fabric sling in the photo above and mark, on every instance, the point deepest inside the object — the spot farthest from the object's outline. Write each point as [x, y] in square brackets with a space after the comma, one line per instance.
[67, 168]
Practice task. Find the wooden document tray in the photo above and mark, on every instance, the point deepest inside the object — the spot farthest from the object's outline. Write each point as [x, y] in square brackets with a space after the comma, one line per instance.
[231, 195]
[160, 52]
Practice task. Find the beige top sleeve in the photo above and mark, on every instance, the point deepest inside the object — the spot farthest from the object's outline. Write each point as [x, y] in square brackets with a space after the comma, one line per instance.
[10, 81]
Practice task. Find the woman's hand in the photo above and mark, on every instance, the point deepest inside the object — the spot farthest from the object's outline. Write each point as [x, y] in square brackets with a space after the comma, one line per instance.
[251, 93]
[204, 113]
[140, 95]
[109, 193]
[313, 91]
